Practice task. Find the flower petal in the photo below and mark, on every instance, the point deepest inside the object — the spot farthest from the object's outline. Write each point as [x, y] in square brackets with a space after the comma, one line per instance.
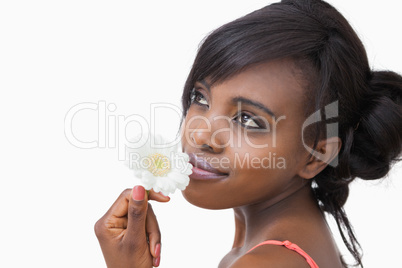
[177, 175]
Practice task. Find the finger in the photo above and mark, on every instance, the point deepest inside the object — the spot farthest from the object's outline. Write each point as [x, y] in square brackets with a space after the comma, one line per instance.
[115, 217]
[157, 196]
[153, 231]
[137, 214]
[120, 206]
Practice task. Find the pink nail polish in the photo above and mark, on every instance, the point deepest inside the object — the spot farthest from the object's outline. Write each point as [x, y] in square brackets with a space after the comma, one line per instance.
[163, 194]
[157, 261]
[138, 193]
[158, 250]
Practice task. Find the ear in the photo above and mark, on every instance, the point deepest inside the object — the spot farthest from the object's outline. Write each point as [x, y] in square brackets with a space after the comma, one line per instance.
[325, 153]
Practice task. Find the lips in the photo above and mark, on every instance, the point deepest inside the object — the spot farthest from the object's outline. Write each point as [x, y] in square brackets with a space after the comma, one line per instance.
[203, 170]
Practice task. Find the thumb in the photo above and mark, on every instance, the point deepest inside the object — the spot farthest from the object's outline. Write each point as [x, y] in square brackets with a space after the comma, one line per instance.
[137, 214]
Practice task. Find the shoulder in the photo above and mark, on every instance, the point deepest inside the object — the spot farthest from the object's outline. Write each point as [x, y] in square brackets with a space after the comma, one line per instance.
[272, 255]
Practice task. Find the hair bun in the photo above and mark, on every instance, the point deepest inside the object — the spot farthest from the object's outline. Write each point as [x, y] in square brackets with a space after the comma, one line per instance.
[387, 84]
[377, 141]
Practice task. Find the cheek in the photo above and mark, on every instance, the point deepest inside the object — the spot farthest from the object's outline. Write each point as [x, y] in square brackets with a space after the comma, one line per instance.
[265, 153]
[273, 167]
[290, 146]
[259, 161]
[259, 169]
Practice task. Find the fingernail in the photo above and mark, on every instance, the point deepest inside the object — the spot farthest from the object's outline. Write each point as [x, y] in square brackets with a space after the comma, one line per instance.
[157, 261]
[138, 193]
[158, 250]
[163, 194]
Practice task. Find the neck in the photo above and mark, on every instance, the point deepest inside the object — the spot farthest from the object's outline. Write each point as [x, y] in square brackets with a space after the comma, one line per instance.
[273, 219]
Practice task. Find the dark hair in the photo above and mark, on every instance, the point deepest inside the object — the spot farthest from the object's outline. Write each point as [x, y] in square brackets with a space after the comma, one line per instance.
[316, 36]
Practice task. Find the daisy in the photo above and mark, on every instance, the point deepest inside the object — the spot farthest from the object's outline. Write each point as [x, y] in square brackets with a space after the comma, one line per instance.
[158, 165]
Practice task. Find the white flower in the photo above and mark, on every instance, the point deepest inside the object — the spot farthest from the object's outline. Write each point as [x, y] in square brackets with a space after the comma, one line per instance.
[158, 166]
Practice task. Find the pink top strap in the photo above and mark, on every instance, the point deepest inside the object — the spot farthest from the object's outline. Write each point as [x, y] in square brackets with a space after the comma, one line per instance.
[291, 246]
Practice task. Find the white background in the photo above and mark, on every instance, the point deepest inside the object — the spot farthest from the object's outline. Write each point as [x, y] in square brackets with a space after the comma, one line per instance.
[57, 54]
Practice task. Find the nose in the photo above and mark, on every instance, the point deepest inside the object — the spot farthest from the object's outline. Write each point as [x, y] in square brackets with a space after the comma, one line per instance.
[208, 133]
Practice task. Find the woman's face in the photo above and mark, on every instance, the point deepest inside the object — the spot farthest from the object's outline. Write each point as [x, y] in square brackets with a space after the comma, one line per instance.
[244, 137]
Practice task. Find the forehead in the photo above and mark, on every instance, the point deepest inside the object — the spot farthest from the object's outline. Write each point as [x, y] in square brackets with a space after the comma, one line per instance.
[278, 84]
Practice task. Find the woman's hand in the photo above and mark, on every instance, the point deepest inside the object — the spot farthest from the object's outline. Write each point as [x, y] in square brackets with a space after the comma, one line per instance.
[124, 231]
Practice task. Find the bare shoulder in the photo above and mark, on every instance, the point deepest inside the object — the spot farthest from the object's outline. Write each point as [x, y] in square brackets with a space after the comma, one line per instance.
[271, 256]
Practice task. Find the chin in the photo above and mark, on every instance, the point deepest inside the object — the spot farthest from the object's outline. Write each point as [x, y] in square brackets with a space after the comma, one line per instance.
[201, 199]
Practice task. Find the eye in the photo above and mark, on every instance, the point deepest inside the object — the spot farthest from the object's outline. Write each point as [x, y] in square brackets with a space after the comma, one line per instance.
[198, 98]
[247, 120]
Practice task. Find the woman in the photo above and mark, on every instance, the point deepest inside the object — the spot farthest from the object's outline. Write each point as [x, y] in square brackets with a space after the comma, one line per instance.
[290, 82]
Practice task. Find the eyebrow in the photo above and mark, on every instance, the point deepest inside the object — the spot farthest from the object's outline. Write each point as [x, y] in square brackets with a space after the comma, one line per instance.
[256, 104]
[237, 100]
